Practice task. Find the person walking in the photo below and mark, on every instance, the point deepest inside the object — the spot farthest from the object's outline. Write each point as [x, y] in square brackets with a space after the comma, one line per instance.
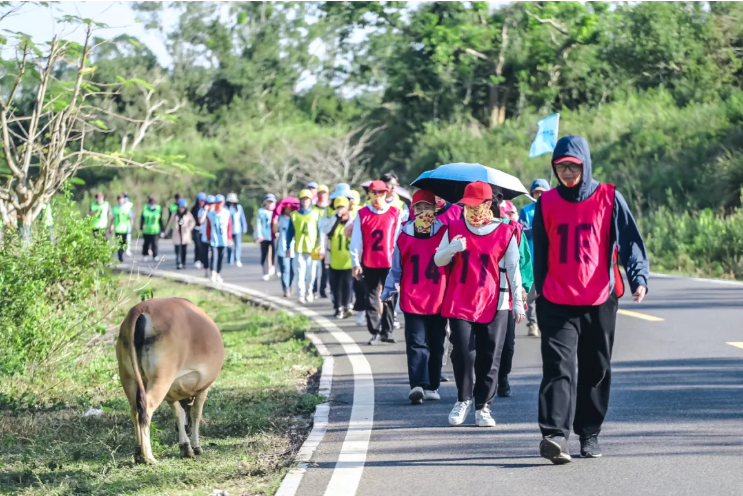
[173, 207]
[206, 251]
[121, 224]
[198, 246]
[375, 229]
[181, 224]
[322, 270]
[421, 285]
[262, 234]
[151, 225]
[219, 233]
[526, 218]
[447, 212]
[474, 247]
[391, 182]
[285, 250]
[239, 226]
[359, 288]
[507, 212]
[340, 258]
[100, 210]
[130, 206]
[303, 231]
[579, 228]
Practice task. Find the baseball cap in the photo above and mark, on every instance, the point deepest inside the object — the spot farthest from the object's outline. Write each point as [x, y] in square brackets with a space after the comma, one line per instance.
[201, 196]
[476, 193]
[268, 197]
[505, 207]
[182, 202]
[322, 188]
[341, 201]
[219, 198]
[423, 195]
[311, 185]
[210, 199]
[378, 186]
[539, 184]
[305, 193]
[567, 158]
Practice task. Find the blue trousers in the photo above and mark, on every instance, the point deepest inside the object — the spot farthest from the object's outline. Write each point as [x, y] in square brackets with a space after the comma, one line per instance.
[287, 272]
[424, 345]
[236, 253]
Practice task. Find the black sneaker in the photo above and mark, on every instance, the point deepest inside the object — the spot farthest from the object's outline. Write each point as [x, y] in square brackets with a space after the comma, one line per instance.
[444, 378]
[375, 340]
[386, 338]
[590, 447]
[504, 388]
[555, 449]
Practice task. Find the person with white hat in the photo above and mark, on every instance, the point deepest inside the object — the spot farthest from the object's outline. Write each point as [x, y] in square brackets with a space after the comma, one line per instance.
[303, 230]
[205, 251]
[263, 236]
[239, 226]
[219, 233]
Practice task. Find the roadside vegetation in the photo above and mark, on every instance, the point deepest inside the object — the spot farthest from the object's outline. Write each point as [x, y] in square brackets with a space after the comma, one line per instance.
[256, 417]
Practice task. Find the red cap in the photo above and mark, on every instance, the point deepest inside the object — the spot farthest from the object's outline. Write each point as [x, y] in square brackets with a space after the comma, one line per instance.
[476, 193]
[378, 186]
[568, 158]
[423, 195]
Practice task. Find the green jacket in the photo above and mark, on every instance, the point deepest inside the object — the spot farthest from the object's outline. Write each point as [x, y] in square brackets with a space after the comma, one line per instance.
[527, 272]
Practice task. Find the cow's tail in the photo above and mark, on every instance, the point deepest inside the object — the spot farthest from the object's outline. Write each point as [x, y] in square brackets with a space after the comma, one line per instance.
[136, 331]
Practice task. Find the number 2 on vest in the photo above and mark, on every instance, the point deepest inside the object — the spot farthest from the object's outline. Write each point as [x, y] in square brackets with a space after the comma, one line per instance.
[563, 230]
[377, 236]
[484, 264]
[432, 270]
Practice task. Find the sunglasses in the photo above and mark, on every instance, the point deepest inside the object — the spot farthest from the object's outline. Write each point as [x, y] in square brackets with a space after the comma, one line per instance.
[573, 167]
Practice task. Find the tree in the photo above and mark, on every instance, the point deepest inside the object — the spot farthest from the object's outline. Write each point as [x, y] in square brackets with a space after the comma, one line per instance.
[343, 159]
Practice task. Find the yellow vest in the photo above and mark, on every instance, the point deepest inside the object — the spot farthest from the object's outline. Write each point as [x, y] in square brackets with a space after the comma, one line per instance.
[305, 230]
[340, 255]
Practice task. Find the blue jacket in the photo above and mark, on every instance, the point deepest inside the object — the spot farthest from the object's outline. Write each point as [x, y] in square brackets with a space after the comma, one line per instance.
[239, 222]
[263, 224]
[624, 230]
[526, 219]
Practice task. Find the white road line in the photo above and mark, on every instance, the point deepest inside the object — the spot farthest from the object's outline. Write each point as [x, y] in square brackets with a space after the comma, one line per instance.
[698, 279]
[737, 344]
[352, 458]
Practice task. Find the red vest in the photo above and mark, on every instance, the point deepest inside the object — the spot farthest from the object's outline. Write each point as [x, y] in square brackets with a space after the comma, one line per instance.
[454, 212]
[473, 287]
[423, 283]
[579, 233]
[378, 237]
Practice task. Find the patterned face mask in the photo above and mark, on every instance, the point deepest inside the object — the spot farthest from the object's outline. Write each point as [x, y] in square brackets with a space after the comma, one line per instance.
[424, 221]
[478, 215]
[440, 203]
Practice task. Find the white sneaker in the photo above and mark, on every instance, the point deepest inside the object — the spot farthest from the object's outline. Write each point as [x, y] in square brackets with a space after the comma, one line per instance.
[396, 324]
[416, 396]
[310, 297]
[483, 418]
[214, 277]
[129, 253]
[266, 277]
[431, 395]
[302, 300]
[239, 263]
[361, 318]
[198, 265]
[271, 271]
[533, 330]
[458, 414]
[145, 259]
[219, 278]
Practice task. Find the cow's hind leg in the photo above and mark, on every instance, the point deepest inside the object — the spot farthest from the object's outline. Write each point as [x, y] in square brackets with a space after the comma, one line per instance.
[155, 396]
[196, 410]
[181, 419]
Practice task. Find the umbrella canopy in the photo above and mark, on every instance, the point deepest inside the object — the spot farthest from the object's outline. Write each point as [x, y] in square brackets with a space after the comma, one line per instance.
[449, 181]
[287, 201]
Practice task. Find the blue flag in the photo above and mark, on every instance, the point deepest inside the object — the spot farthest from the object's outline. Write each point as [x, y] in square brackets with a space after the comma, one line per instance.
[546, 136]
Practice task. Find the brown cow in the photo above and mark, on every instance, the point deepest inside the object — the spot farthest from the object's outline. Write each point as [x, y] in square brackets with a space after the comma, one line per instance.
[168, 349]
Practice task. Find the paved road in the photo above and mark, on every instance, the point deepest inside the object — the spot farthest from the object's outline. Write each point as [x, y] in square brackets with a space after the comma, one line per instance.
[675, 422]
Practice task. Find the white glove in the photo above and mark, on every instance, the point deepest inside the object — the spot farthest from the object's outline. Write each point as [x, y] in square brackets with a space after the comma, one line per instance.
[458, 245]
[444, 256]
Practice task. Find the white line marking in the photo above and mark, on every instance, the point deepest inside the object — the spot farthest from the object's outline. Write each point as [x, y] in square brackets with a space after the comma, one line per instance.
[698, 279]
[638, 315]
[736, 344]
[352, 458]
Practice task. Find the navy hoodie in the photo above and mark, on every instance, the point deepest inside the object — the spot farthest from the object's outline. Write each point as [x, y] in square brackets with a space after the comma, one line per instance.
[624, 231]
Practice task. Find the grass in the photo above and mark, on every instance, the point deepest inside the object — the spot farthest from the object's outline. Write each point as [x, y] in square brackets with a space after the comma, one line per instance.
[256, 417]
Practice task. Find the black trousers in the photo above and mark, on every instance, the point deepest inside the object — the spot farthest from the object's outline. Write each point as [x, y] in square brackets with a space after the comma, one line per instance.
[150, 243]
[509, 347]
[198, 246]
[475, 355]
[322, 279]
[424, 345]
[374, 282]
[267, 258]
[359, 296]
[341, 283]
[122, 245]
[205, 252]
[217, 255]
[576, 366]
[180, 254]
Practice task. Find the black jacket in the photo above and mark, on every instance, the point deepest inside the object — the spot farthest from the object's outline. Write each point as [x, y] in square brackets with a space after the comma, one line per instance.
[624, 231]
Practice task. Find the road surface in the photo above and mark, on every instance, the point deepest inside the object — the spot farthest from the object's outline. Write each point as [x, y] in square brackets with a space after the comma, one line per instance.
[675, 421]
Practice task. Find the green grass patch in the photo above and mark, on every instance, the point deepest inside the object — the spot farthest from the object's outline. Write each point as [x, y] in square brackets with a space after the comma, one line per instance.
[256, 417]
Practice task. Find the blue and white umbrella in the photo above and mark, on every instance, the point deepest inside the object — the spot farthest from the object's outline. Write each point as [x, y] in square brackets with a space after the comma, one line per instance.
[449, 181]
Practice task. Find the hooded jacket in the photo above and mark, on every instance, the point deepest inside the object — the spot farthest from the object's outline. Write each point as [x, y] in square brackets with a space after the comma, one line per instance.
[624, 231]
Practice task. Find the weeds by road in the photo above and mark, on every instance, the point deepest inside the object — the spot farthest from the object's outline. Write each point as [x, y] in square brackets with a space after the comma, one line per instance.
[257, 414]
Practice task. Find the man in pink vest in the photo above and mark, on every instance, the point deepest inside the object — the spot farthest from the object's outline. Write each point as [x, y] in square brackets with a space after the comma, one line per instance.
[579, 227]
[375, 229]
